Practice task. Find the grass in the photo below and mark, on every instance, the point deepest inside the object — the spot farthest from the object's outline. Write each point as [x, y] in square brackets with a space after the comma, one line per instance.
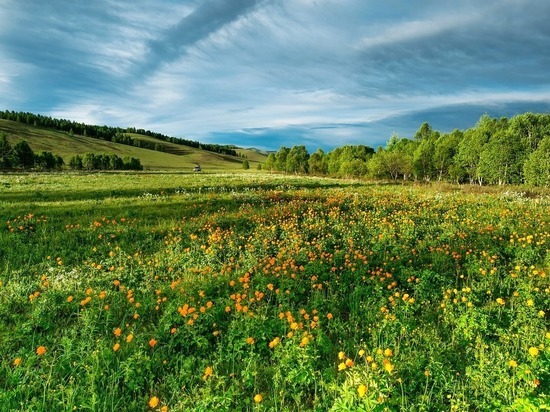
[263, 292]
[176, 157]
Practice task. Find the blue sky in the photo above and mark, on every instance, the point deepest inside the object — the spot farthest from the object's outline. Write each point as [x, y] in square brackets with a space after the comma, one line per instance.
[267, 73]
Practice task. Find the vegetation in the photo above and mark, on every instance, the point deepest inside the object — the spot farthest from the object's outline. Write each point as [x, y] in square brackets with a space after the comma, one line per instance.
[163, 292]
[114, 134]
[495, 151]
[173, 156]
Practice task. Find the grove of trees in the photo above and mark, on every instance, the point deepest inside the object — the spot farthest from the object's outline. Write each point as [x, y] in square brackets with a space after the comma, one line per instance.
[494, 151]
[21, 156]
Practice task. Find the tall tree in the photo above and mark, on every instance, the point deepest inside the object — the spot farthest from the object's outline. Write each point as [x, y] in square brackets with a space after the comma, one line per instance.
[23, 156]
[5, 152]
[297, 160]
[537, 166]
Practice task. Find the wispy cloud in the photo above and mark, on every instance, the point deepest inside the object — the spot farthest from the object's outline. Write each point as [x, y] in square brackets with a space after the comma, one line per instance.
[311, 71]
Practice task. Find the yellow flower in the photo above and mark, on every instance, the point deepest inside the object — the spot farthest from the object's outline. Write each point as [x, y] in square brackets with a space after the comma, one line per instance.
[362, 352]
[388, 366]
[500, 301]
[164, 409]
[341, 355]
[258, 398]
[70, 299]
[17, 362]
[388, 352]
[153, 402]
[207, 372]
[41, 350]
[362, 390]
[116, 346]
[304, 341]
[547, 335]
[533, 351]
[512, 363]
[129, 338]
[341, 366]
[250, 340]
[274, 342]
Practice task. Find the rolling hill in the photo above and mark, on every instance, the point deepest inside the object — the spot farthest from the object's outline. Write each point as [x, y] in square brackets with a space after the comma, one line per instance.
[174, 156]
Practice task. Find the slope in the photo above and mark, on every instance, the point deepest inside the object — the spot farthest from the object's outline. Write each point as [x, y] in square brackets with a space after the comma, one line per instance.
[175, 157]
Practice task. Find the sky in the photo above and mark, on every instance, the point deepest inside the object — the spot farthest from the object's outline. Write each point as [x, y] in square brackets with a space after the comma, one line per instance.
[268, 73]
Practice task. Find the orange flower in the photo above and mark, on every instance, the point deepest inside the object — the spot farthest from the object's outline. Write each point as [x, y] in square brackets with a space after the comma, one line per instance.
[41, 350]
[152, 342]
[153, 402]
[16, 361]
[70, 299]
[250, 340]
[116, 347]
[117, 332]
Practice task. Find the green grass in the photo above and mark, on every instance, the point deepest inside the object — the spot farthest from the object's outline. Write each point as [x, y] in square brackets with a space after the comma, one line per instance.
[314, 294]
[176, 157]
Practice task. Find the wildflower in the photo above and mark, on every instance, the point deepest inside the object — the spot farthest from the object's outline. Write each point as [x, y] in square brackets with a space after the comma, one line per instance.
[362, 390]
[164, 409]
[129, 338]
[304, 341]
[533, 351]
[16, 361]
[349, 363]
[207, 372]
[258, 398]
[388, 366]
[153, 402]
[117, 332]
[153, 342]
[341, 366]
[329, 316]
[250, 340]
[341, 355]
[388, 353]
[362, 352]
[512, 363]
[274, 342]
[41, 350]
[70, 299]
[500, 301]
[116, 346]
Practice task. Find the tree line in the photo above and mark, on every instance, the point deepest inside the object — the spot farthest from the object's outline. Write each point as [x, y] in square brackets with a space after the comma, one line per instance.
[494, 151]
[92, 161]
[108, 133]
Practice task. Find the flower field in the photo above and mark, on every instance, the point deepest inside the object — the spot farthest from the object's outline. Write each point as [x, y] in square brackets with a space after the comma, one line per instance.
[158, 292]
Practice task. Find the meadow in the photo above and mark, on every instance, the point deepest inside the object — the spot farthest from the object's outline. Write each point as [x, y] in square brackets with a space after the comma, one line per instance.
[257, 292]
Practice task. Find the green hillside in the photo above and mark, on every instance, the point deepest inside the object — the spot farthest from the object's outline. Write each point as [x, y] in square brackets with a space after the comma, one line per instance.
[174, 157]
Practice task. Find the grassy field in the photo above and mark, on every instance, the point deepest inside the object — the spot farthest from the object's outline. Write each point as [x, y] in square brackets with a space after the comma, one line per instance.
[243, 291]
[176, 157]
